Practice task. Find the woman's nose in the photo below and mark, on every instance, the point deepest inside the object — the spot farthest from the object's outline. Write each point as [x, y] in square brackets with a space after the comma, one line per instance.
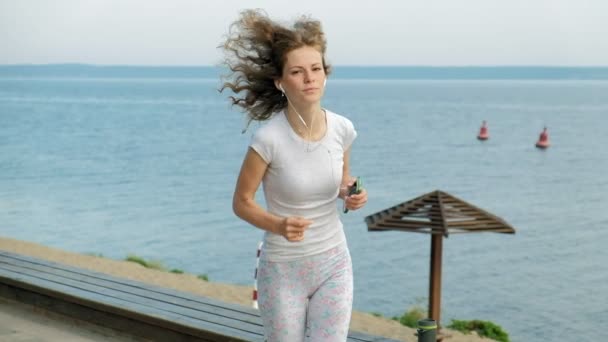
[308, 78]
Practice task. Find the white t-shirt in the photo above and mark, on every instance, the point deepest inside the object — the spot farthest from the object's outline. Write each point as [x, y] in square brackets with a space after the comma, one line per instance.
[303, 179]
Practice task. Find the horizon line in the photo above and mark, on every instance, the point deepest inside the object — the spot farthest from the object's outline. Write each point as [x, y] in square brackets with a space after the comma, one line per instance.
[334, 66]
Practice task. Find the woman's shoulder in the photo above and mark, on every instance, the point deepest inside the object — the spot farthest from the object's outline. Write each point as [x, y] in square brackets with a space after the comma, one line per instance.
[270, 129]
[339, 120]
[270, 125]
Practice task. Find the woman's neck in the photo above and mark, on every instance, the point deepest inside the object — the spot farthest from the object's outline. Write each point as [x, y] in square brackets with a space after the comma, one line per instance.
[305, 113]
[309, 121]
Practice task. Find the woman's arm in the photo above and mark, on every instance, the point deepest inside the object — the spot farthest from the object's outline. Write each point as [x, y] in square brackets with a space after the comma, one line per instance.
[347, 180]
[245, 206]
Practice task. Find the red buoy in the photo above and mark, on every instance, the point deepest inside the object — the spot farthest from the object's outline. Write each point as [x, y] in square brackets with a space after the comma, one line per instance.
[543, 140]
[483, 132]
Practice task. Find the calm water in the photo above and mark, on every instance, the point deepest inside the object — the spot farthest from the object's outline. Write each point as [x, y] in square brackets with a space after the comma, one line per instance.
[147, 165]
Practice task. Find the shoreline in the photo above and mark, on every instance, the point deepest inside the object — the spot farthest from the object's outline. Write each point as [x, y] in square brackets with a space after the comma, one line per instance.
[231, 293]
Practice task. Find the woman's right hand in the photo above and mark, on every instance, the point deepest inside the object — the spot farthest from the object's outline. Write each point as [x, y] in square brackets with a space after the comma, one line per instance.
[293, 227]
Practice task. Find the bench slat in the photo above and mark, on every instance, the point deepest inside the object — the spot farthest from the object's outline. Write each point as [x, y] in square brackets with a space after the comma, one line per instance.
[129, 310]
[149, 288]
[112, 289]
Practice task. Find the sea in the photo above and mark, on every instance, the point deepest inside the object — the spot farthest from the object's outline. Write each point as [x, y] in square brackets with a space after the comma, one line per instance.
[119, 160]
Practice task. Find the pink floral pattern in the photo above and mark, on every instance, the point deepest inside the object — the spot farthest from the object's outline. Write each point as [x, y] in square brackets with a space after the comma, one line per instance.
[307, 300]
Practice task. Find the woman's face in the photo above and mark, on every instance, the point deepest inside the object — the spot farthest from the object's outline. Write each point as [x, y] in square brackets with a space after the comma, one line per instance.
[303, 75]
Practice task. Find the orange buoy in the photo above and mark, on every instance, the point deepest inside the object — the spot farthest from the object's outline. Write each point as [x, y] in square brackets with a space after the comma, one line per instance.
[483, 131]
[543, 140]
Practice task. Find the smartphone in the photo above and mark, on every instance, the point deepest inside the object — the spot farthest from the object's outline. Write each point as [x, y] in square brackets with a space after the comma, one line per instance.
[353, 189]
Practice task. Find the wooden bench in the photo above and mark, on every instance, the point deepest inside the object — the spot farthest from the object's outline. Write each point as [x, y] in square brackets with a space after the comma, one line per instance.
[133, 307]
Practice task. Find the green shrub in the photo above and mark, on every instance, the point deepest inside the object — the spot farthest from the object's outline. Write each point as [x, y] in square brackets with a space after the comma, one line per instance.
[411, 317]
[177, 271]
[203, 277]
[376, 314]
[483, 328]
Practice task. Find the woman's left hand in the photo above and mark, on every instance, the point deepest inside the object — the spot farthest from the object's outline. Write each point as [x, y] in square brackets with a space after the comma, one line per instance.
[356, 201]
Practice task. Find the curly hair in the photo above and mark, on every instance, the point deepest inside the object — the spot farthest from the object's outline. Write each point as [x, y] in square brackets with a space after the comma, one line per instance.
[256, 49]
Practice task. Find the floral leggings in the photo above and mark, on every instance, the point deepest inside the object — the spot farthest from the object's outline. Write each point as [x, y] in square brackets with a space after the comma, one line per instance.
[307, 300]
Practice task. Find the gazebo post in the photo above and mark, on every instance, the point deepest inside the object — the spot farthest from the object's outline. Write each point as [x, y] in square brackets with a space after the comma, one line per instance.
[435, 278]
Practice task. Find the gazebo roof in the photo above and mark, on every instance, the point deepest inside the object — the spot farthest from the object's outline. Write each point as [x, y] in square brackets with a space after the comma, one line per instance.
[437, 213]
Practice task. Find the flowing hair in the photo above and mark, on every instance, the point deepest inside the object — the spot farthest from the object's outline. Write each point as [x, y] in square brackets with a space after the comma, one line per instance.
[255, 50]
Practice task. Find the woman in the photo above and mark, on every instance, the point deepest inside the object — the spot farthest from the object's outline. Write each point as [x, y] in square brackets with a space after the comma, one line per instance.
[301, 157]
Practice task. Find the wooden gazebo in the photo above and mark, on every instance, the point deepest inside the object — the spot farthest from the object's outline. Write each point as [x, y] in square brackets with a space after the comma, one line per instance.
[439, 214]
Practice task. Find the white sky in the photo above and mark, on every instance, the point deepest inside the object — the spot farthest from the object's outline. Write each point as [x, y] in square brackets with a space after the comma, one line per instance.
[378, 32]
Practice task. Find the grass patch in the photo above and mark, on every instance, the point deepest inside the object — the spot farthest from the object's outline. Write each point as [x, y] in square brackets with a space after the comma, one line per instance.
[415, 313]
[483, 328]
[411, 317]
[155, 265]
[97, 255]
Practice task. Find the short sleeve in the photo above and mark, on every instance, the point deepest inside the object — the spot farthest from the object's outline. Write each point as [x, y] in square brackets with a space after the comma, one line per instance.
[262, 144]
[349, 134]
